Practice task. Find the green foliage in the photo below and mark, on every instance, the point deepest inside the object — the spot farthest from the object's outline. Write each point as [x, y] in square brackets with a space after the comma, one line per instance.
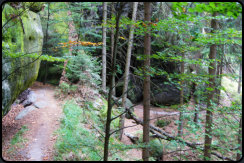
[156, 148]
[18, 136]
[9, 50]
[162, 123]
[75, 141]
[83, 68]
[66, 88]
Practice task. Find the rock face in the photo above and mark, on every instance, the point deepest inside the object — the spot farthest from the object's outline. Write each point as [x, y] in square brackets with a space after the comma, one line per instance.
[22, 35]
[166, 94]
[135, 89]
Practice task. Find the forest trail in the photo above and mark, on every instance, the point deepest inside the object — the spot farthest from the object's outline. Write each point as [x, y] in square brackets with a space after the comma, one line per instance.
[41, 124]
[155, 112]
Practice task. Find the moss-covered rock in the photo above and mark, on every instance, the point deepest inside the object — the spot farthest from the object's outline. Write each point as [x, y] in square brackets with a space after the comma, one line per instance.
[21, 35]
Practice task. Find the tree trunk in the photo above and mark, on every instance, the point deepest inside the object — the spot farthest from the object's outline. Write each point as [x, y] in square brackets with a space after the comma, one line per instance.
[73, 36]
[146, 84]
[104, 46]
[46, 63]
[238, 156]
[219, 73]
[109, 111]
[112, 49]
[180, 127]
[127, 67]
[209, 113]
[239, 82]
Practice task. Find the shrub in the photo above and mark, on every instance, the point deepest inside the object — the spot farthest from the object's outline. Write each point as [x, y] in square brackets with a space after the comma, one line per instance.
[83, 68]
[162, 122]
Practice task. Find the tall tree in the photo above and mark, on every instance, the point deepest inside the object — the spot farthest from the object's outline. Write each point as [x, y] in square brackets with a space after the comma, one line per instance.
[180, 127]
[112, 48]
[238, 156]
[73, 36]
[104, 62]
[110, 105]
[46, 63]
[211, 95]
[239, 82]
[146, 82]
[219, 76]
[127, 66]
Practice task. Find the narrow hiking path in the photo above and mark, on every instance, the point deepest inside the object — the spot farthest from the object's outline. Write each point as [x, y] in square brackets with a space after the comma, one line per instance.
[41, 124]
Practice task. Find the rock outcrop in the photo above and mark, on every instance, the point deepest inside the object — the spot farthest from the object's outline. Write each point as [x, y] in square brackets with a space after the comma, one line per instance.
[21, 35]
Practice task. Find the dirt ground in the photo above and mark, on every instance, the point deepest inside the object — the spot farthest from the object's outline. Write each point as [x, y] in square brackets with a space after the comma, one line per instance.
[41, 124]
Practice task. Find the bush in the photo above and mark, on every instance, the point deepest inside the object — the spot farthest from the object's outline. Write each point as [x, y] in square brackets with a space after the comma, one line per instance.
[83, 68]
[162, 122]
[66, 88]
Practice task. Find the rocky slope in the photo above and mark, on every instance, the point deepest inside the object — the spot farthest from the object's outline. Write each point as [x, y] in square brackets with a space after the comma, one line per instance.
[20, 35]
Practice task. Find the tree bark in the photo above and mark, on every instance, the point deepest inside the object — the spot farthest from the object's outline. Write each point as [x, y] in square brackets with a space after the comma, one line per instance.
[211, 96]
[104, 46]
[46, 63]
[112, 49]
[240, 75]
[180, 127]
[238, 156]
[73, 36]
[146, 83]
[109, 111]
[127, 67]
[219, 73]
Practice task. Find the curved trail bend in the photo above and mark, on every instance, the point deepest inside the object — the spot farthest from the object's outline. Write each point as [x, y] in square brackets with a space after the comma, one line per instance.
[41, 124]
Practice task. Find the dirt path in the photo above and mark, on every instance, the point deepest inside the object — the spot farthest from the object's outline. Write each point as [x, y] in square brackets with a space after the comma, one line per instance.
[136, 154]
[41, 123]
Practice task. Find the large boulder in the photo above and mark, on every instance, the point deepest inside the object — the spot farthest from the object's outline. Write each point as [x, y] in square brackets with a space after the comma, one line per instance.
[167, 94]
[135, 89]
[22, 35]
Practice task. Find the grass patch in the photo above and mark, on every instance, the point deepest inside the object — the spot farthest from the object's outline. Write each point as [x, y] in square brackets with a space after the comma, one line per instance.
[17, 142]
[80, 137]
[18, 136]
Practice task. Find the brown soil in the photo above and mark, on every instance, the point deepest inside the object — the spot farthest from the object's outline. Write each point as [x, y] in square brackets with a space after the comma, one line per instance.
[155, 113]
[41, 128]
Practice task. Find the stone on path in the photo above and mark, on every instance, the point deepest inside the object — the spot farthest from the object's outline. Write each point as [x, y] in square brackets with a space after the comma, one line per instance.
[32, 96]
[24, 112]
[40, 104]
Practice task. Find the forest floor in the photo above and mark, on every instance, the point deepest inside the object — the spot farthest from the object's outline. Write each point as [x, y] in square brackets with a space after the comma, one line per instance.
[38, 141]
[167, 114]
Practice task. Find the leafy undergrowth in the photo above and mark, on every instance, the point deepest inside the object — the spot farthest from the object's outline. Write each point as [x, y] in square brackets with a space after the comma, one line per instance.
[81, 134]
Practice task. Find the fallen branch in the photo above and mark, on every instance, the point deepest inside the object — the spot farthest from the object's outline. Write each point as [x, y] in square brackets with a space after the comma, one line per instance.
[163, 135]
[133, 138]
[166, 136]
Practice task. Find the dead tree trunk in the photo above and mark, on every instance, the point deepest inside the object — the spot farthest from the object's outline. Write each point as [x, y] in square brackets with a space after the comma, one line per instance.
[127, 67]
[146, 83]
